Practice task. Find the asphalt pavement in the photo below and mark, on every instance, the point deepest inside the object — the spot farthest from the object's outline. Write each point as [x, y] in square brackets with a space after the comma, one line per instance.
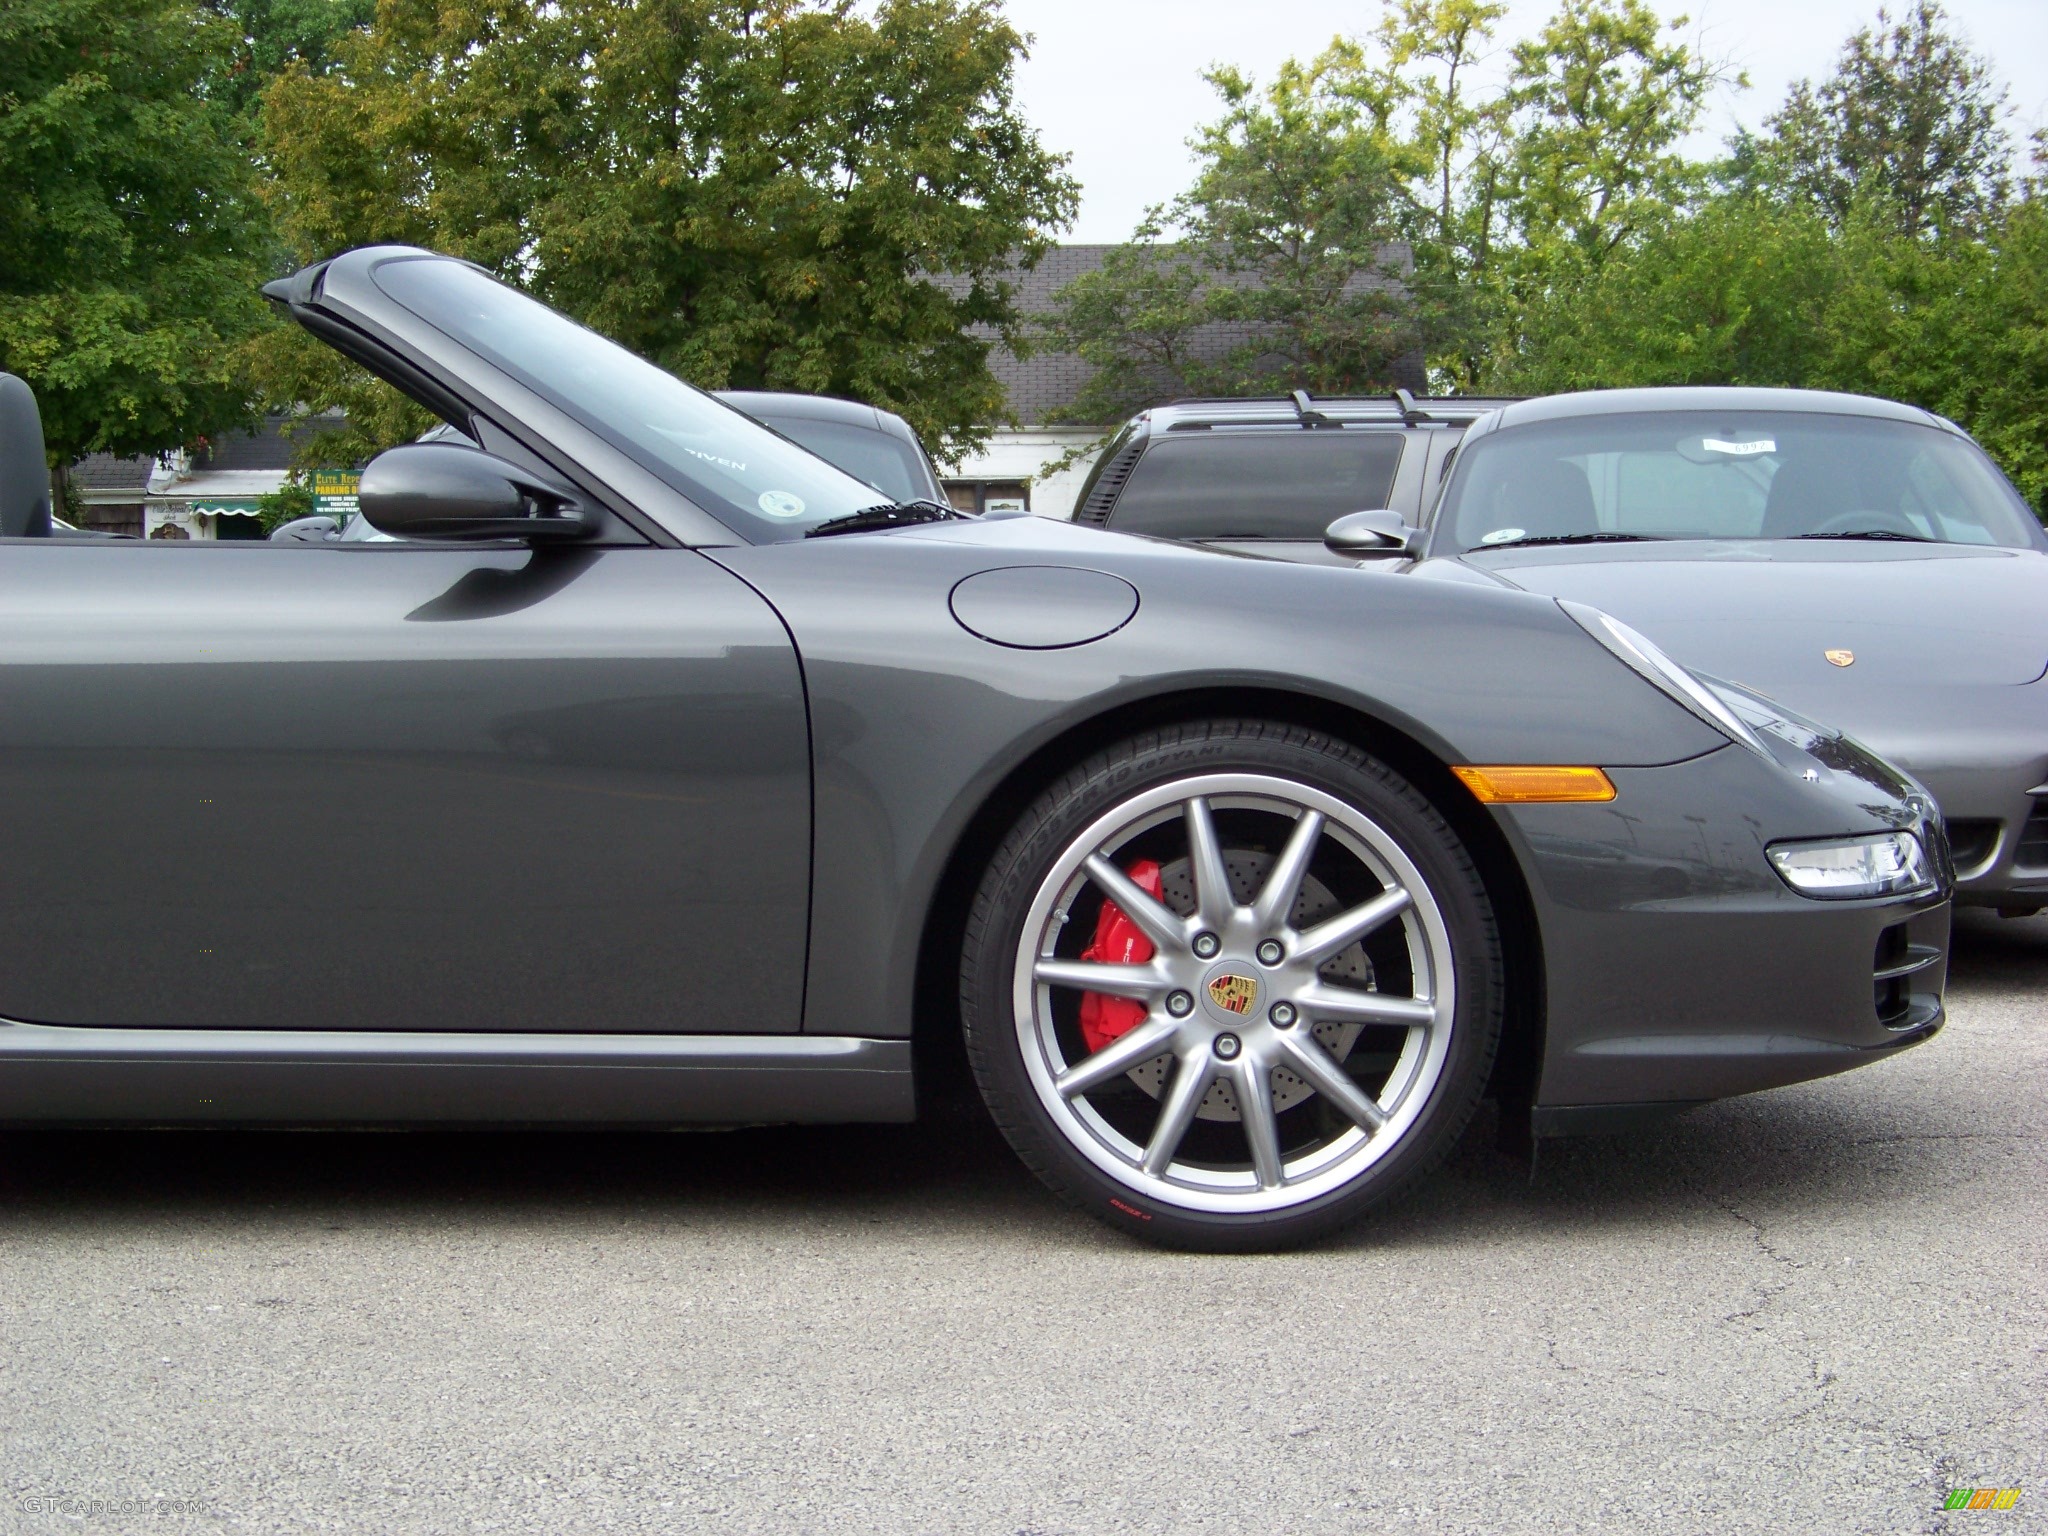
[1814, 1310]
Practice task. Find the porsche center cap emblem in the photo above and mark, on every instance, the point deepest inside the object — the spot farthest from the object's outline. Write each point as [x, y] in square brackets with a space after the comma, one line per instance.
[1841, 658]
[1233, 994]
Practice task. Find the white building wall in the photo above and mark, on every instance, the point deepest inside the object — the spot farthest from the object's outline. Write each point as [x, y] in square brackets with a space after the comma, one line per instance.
[1021, 454]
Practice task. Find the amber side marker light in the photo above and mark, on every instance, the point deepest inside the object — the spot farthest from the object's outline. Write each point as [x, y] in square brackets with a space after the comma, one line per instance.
[1537, 784]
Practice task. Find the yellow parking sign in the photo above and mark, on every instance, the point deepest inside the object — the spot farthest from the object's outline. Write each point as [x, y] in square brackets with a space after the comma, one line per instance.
[334, 491]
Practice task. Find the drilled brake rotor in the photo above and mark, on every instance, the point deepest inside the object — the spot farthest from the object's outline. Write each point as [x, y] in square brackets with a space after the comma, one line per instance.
[1247, 875]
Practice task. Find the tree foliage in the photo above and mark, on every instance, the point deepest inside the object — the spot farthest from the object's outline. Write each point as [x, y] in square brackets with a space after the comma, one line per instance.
[1597, 103]
[1501, 193]
[1910, 116]
[1870, 245]
[1735, 292]
[1751, 289]
[1456, 134]
[1584, 158]
[1283, 268]
[272, 35]
[1960, 327]
[1873, 239]
[131, 259]
[779, 194]
[826, 195]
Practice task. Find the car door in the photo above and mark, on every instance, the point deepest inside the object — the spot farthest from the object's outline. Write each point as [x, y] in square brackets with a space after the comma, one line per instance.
[397, 787]
[406, 786]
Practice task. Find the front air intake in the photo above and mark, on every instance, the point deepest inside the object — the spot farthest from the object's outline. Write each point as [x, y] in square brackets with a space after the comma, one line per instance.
[1897, 961]
[2031, 857]
[1972, 844]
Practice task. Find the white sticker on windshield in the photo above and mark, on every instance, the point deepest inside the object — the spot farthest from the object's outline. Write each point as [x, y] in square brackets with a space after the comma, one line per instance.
[780, 504]
[709, 458]
[1502, 536]
[1741, 450]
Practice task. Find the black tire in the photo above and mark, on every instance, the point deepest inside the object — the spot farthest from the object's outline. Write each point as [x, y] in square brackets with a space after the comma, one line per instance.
[1018, 877]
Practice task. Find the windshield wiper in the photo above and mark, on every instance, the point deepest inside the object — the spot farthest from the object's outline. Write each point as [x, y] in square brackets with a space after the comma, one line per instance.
[1569, 538]
[900, 514]
[1869, 533]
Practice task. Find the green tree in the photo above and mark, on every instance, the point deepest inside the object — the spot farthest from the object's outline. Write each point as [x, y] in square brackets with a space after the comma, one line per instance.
[1750, 289]
[782, 194]
[1732, 292]
[1508, 198]
[1432, 49]
[1456, 137]
[1869, 244]
[1531, 187]
[1284, 269]
[274, 34]
[1998, 383]
[129, 270]
[1598, 102]
[1136, 321]
[1910, 115]
[1957, 326]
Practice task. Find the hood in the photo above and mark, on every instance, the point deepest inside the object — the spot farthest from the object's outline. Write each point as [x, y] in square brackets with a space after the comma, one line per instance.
[1765, 614]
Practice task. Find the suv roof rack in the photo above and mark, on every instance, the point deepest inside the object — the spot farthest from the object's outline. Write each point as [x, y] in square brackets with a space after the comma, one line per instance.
[1299, 408]
[1309, 415]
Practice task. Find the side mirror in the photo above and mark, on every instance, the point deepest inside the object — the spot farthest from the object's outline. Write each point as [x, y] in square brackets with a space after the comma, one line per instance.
[447, 491]
[317, 529]
[1379, 535]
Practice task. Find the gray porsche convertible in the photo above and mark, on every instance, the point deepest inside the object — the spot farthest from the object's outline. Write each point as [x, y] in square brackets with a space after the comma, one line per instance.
[666, 777]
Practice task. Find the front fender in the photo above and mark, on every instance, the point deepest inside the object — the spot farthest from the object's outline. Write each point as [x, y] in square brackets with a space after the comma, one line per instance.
[915, 721]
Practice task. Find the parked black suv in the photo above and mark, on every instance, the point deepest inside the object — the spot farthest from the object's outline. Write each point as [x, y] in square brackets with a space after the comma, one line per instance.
[1268, 476]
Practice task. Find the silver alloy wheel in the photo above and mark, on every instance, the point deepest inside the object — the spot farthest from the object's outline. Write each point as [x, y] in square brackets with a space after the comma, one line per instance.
[1211, 958]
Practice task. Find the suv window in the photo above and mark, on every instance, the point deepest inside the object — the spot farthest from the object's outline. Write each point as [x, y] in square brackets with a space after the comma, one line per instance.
[1257, 485]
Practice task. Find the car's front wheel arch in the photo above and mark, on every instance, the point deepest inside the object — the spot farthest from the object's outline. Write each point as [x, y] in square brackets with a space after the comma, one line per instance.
[941, 1064]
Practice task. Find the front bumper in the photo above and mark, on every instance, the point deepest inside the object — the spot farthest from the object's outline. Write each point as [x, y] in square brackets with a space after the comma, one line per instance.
[1997, 819]
[1680, 968]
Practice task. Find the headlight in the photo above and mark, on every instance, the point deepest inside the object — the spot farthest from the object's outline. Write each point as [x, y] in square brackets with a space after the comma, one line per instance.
[1648, 660]
[1843, 868]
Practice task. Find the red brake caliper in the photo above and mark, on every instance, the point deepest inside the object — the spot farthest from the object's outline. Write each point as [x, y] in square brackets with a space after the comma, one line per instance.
[1117, 941]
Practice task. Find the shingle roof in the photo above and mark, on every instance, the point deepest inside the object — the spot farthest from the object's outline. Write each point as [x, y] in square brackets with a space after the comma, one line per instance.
[265, 448]
[1047, 382]
[104, 472]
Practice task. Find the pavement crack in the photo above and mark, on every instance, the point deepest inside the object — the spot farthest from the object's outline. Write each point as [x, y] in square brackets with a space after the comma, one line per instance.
[1550, 1349]
[1765, 1294]
[1946, 1474]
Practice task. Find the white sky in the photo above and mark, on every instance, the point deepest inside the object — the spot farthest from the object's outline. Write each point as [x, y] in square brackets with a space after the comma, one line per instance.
[1117, 83]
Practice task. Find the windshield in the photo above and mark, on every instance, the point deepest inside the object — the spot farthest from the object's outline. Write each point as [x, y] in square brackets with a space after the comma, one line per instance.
[887, 463]
[756, 483]
[1732, 475]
